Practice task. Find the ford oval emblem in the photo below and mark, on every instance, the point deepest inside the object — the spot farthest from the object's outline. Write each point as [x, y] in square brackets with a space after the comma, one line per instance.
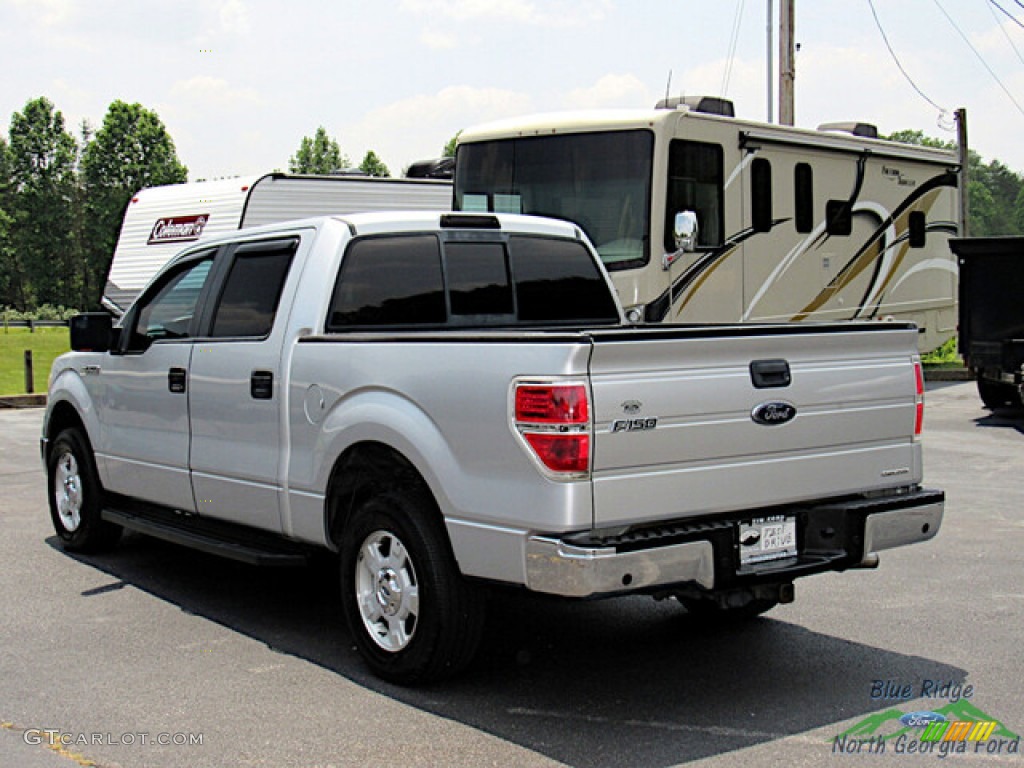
[774, 413]
[922, 719]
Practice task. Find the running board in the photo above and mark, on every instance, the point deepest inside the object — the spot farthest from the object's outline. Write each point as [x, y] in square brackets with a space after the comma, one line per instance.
[235, 542]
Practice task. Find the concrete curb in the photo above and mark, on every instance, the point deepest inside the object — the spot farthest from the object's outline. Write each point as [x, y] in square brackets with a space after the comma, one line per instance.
[940, 373]
[22, 401]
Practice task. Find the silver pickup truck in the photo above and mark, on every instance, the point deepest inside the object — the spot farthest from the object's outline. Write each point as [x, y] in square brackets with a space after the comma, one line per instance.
[451, 401]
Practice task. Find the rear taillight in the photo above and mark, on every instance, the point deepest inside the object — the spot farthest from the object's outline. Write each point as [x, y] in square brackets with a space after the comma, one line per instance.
[554, 421]
[919, 398]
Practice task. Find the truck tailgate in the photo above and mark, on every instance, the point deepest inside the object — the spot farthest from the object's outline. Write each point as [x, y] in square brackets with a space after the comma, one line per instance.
[697, 421]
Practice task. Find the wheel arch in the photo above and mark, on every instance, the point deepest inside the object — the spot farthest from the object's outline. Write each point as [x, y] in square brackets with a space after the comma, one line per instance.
[63, 414]
[364, 469]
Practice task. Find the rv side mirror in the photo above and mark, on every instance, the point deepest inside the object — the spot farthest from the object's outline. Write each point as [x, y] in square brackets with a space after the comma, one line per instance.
[685, 231]
[684, 235]
[92, 332]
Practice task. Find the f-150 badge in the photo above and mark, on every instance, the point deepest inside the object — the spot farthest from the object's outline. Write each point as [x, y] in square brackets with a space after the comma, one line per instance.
[633, 425]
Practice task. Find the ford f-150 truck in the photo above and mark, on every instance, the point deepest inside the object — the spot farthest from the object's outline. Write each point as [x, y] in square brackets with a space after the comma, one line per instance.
[448, 401]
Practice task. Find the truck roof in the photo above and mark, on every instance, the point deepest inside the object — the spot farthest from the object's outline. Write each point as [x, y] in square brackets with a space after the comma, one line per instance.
[361, 224]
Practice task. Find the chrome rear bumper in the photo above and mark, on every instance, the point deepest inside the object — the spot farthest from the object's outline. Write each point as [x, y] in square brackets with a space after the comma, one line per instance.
[858, 529]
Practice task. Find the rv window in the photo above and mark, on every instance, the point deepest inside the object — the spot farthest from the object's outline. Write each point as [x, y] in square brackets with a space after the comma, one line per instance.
[389, 281]
[600, 181]
[838, 218]
[803, 186]
[917, 225]
[761, 195]
[695, 184]
[252, 291]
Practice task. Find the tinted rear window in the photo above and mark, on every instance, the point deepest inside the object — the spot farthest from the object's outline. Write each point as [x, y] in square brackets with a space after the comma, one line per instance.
[390, 281]
[478, 279]
[558, 281]
[418, 281]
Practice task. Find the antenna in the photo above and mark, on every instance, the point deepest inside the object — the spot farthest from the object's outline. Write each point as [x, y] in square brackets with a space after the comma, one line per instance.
[668, 85]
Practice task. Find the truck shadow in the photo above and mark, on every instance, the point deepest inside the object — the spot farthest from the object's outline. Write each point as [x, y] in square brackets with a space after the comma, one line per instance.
[595, 684]
[1003, 419]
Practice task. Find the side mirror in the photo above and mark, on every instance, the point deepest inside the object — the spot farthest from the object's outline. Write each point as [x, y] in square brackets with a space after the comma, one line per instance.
[684, 233]
[92, 332]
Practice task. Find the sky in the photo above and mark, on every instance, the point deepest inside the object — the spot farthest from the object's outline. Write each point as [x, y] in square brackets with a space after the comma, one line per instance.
[238, 83]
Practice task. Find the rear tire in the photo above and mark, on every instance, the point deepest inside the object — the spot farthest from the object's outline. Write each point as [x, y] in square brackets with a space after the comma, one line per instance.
[76, 496]
[412, 615]
[997, 395]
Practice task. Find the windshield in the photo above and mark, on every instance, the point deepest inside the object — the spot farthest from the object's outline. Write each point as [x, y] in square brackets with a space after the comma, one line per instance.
[600, 181]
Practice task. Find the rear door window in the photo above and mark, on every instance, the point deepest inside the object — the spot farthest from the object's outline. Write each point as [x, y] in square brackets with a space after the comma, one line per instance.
[389, 281]
[252, 292]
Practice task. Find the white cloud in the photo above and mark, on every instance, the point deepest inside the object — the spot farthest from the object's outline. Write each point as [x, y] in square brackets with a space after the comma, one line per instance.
[612, 91]
[418, 127]
[552, 13]
[206, 92]
[439, 41]
[234, 17]
[50, 13]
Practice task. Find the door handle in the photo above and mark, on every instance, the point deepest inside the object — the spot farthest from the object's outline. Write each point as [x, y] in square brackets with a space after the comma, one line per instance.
[176, 380]
[261, 385]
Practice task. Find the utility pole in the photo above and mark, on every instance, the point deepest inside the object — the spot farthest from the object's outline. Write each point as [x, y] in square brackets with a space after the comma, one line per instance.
[964, 154]
[769, 66]
[787, 61]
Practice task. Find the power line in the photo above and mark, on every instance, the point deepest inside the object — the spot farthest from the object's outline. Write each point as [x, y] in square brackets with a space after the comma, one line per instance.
[1003, 29]
[737, 19]
[896, 59]
[980, 57]
[1009, 15]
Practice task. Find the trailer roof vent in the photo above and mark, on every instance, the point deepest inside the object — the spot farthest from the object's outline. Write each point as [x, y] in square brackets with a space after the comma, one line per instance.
[709, 105]
[864, 130]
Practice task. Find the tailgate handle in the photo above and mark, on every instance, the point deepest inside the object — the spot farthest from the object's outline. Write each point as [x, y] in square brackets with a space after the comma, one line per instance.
[770, 374]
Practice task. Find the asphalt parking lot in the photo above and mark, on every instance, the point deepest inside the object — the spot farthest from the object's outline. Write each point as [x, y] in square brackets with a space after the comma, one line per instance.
[158, 656]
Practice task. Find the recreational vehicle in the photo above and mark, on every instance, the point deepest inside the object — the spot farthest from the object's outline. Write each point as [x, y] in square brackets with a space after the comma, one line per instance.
[160, 221]
[703, 217]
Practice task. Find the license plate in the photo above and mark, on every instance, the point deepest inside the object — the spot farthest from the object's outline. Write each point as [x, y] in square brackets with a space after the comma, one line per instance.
[767, 538]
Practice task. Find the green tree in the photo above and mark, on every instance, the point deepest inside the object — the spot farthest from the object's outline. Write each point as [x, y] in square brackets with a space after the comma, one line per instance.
[8, 263]
[320, 154]
[449, 148]
[42, 171]
[131, 150]
[374, 166]
[993, 190]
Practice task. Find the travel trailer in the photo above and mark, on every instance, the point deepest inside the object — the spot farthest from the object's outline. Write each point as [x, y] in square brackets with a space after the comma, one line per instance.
[160, 221]
[702, 217]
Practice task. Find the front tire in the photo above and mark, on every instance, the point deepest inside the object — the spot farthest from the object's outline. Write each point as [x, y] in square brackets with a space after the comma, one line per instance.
[412, 615]
[76, 496]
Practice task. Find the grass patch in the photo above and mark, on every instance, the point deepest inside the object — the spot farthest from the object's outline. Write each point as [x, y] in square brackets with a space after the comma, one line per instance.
[46, 344]
[945, 355]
